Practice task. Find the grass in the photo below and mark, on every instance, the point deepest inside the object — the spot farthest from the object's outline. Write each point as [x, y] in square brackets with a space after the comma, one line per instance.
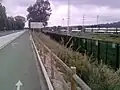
[104, 37]
[98, 77]
[107, 37]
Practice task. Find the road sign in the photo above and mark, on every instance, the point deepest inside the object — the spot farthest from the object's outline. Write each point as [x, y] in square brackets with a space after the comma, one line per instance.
[36, 25]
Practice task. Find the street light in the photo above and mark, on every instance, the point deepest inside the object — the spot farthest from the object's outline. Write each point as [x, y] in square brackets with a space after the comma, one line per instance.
[63, 22]
[83, 23]
[68, 28]
[97, 21]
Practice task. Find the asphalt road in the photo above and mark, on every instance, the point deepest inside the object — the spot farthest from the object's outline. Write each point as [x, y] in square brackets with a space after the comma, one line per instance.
[17, 62]
[3, 33]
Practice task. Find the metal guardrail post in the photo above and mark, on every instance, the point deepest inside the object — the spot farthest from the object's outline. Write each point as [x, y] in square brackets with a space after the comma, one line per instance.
[52, 64]
[73, 83]
[44, 56]
[40, 51]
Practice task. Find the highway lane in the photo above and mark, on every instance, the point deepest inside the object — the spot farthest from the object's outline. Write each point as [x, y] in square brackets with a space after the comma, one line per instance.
[17, 62]
[3, 33]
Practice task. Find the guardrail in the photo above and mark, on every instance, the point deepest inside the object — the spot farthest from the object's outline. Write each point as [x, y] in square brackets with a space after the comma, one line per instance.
[68, 73]
[50, 87]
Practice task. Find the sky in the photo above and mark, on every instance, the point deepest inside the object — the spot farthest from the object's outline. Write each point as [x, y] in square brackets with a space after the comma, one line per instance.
[108, 11]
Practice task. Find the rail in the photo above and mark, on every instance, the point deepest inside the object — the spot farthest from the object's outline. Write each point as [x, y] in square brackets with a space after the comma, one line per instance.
[72, 77]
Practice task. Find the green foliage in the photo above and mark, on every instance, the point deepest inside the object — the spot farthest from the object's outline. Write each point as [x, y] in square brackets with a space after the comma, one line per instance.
[3, 17]
[10, 23]
[16, 23]
[19, 22]
[39, 12]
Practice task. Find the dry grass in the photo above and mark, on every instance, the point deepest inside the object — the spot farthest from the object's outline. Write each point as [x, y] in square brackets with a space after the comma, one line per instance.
[98, 77]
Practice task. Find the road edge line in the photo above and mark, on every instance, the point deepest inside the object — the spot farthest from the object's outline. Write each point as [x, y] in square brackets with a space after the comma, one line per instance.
[49, 84]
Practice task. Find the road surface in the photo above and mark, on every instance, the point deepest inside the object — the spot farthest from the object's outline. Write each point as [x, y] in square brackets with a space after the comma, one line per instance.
[17, 62]
[3, 33]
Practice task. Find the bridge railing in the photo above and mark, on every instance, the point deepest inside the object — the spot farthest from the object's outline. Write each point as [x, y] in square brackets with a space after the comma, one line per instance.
[55, 65]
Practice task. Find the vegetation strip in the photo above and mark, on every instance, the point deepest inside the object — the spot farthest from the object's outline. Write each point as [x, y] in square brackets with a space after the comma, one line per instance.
[98, 77]
[79, 82]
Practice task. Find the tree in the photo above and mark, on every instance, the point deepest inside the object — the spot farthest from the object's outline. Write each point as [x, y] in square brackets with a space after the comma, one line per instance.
[15, 23]
[39, 12]
[3, 17]
[19, 22]
[10, 23]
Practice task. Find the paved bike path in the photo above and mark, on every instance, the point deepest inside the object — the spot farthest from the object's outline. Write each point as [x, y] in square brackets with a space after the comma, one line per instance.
[17, 62]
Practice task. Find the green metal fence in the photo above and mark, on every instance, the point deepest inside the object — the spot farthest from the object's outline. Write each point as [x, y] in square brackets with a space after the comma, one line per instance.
[108, 52]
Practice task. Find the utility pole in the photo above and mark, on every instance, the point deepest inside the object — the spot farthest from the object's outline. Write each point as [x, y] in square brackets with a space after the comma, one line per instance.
[97, 21]
[63, 22]
[68, 27]
[83, 23]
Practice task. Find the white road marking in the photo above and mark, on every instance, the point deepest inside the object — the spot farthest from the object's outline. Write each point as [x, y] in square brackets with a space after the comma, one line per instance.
[19, 84]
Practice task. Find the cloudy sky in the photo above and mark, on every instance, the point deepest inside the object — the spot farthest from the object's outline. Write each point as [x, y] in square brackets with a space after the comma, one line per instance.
[108, 10]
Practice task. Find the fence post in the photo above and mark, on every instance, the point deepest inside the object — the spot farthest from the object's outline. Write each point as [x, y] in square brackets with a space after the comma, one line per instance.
[77, 43]
[107, 29]
[40, 51]
[52, 66]
[86, 44]
[85, 55]
[116, 31]
[73, 83]
[44, 55]
[117, 56]
[98, 52]
[106, 52]
[91, 47]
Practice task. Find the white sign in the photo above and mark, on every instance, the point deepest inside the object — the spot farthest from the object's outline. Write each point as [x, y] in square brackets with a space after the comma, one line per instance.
[36, 25]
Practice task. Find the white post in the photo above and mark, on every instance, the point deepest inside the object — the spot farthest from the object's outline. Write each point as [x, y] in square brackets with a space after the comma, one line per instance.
[73, 83]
